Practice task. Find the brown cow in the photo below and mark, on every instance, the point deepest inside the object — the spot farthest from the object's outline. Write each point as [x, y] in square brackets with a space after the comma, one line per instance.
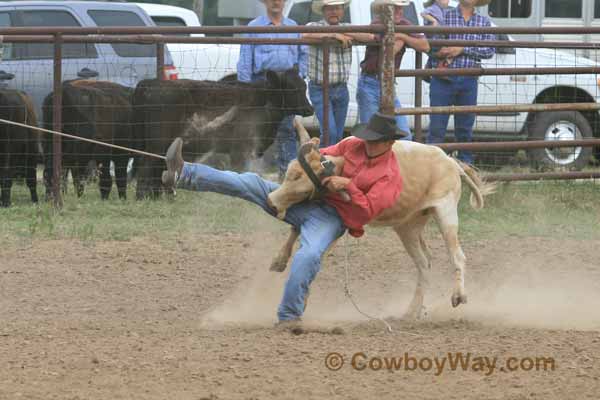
[98, 110]
[20, 148]
[229, 117]
[432, 188]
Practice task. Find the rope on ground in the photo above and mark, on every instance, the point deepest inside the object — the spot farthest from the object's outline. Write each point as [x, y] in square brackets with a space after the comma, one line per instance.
[349, 295]
[114, 146]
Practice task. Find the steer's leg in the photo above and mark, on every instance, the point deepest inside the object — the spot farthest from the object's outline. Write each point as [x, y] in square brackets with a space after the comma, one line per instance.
[5, 182]
[446, 215]
[121, 174]
[105, 179]
[31, 177]
[279, 263]
[411, 236]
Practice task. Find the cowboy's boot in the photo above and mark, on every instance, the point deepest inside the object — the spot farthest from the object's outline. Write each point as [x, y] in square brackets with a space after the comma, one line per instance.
[174, 161]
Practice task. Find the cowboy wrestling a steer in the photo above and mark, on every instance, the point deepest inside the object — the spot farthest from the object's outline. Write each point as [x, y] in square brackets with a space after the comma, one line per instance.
[366, 186]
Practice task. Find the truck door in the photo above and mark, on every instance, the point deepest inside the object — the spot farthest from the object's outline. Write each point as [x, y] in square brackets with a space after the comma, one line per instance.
[32, 63]
[126, 63]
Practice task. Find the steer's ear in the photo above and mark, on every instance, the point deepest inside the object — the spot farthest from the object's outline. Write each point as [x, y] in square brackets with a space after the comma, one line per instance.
[273, 79]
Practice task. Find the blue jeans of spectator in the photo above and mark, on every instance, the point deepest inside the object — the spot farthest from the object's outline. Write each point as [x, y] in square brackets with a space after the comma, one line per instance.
[319, 225]
[285, 139]
[453, 91]
[368, 97]
[338, 109]
[286, 142]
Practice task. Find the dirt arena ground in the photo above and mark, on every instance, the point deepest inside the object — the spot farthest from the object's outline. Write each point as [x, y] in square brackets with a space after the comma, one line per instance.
[192, 319]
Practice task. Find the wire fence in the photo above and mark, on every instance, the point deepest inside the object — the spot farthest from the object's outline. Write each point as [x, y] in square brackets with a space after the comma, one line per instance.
[106, 82]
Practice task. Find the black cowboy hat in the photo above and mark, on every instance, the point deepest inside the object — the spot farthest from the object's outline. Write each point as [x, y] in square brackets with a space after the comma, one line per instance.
[381, 127]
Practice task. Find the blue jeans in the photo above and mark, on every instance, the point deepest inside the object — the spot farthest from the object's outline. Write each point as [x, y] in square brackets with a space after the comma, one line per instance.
[368, 97]
[287, 148]
[455, 91]
[285, 138]
[338, 109]
[319, 225]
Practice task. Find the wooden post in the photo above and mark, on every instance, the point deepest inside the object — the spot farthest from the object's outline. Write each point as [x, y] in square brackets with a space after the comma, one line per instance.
[387, 66]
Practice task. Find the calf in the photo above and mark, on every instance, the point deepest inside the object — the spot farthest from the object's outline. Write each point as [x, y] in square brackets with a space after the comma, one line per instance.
[232, 117]
[20, 147]
[94, 110]
[432, 188]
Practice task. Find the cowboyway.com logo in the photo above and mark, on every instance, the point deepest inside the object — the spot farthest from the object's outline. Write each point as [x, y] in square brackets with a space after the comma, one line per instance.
[457, 361]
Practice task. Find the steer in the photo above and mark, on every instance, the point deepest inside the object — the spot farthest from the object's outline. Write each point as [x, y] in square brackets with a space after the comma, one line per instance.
[432, 187]
[20, 147]
[232, 117]
[96, 110]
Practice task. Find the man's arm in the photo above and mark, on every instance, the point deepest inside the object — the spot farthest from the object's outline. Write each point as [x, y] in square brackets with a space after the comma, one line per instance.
[337, 149]
[482, 52]
[418, 43]
[366, 206]
[303, 60]
[245, 63]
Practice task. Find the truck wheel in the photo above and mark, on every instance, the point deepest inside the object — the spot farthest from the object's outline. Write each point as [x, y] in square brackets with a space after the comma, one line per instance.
[561, 125]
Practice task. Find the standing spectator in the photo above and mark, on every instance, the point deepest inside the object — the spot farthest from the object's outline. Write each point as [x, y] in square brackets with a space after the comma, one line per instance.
[459, 90]
[255, 59]
[434, 15]
[339, 67]
[368, 94]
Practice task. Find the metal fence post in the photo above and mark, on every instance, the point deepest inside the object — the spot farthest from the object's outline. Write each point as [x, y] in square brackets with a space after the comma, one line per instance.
[57, 122]
[325, 127]
[160, 60]
[387, 65]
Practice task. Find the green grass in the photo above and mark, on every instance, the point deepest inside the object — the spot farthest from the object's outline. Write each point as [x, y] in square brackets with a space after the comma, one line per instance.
[553, 209]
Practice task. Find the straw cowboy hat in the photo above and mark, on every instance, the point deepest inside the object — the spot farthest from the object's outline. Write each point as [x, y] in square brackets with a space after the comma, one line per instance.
[317, 5]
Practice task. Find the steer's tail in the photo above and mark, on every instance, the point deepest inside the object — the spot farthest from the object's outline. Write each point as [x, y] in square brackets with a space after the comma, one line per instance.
[479, 187]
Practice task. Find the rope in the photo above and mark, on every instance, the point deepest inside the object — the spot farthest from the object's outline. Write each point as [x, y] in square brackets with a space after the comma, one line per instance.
[349, 295]
[114, 146]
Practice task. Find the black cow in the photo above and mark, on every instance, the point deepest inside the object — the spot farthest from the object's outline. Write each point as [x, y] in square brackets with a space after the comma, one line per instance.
[96, 110]
[20, 147]
[232, 117]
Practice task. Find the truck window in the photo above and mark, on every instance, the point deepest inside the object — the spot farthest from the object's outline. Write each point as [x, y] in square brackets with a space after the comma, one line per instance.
[510, 9]
[563, 8]
[32, 51]
[5, 48]
[170, 21]
[302, 14]
[597, 9]
[123, 18]
[210, 17]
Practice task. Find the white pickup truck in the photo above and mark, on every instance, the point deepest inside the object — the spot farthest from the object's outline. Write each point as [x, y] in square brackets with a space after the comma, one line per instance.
[215, 61]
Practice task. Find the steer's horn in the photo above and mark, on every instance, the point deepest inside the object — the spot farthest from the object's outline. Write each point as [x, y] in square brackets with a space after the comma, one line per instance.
[303, 135]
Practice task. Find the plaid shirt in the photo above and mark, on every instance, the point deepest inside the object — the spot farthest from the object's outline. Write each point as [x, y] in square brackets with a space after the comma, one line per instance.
[471, 56]
[340, 61]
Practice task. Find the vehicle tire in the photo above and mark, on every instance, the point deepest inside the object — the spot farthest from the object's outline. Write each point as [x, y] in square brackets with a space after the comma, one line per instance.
[561, 125]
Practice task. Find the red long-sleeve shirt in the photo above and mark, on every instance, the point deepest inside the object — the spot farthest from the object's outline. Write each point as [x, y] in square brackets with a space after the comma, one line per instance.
[375, 184]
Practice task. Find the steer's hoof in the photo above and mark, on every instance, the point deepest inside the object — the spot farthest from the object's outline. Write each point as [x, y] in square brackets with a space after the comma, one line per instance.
[278, 265]
[458, 300]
